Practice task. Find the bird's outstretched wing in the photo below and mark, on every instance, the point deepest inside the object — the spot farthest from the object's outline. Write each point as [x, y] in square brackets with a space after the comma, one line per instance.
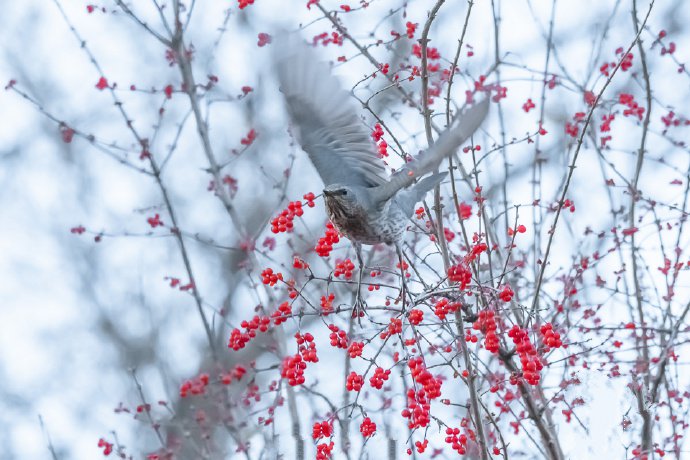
[324, 117]
[460, 130]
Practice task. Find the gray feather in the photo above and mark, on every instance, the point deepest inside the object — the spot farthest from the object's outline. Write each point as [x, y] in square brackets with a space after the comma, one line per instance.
[461, 129]
[324, 117]
[360, 201]
[409, 197]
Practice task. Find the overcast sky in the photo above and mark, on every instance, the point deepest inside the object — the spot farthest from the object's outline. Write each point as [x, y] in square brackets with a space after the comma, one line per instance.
[75, 315]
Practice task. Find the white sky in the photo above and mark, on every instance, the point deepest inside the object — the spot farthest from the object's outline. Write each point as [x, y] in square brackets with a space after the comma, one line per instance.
[56, 288]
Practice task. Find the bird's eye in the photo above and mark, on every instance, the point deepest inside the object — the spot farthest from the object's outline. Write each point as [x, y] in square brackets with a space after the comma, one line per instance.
[344, 192]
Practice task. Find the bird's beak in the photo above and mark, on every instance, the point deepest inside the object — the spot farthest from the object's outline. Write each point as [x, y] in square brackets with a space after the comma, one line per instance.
[327, 193]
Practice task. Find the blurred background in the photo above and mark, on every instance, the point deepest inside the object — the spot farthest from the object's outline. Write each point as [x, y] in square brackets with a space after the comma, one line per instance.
[90, 303]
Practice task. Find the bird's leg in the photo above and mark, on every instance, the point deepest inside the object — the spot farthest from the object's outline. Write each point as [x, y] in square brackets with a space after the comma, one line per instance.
[401, 260]
[358, 307]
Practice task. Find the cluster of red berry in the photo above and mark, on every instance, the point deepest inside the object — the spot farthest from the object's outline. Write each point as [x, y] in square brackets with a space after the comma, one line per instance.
[486, 323]
[382, 148]
[531, 363]
[419, 401]
[245, 3]
[236, 373]
[323, 451]
[377, 133]
[420, 446]
[415, 316]
[367, 428]
[322, 430]
[283, 223]
[355, 349]
[195, 386]
[552, 339]
[270, 278]
[108, 447]
[417, 411]
[344, 268]
[395, 327]
[327, 303]
[411, 27]
[325, 243]
[299, 264]
[239, 339]
[457, 441]
[293, 370]
[354, 382]
[460, 274]
[338, 337]
[444, 307]
[307, 347]
[380, 376]
[281, 315]
[506, 293]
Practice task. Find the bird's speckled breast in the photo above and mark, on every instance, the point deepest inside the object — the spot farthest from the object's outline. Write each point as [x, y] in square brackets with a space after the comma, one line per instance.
[355, 223]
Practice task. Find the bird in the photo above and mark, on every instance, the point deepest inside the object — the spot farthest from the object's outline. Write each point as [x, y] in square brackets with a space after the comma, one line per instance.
[362, 201]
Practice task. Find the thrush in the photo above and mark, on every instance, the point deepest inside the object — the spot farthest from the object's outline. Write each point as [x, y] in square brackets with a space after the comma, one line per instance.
[364, 204]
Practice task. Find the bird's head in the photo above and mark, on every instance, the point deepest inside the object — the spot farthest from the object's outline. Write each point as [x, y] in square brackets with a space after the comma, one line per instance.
[338, 192]
[342, 196]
